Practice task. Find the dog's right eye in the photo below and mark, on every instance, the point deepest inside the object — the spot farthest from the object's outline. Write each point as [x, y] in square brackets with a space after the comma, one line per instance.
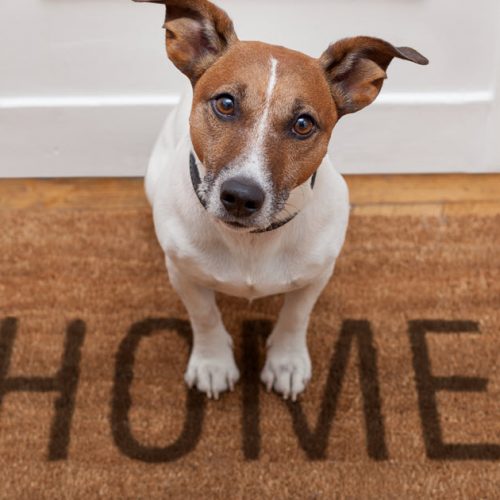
[224, 105]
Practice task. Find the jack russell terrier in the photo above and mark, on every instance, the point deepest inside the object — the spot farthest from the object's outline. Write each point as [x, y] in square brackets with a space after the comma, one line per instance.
[245, 198]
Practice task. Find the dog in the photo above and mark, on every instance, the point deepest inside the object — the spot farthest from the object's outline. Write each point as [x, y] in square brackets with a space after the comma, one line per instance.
[245, 199]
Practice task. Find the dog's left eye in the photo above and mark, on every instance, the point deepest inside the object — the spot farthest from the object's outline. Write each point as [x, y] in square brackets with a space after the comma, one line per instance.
[304, 126]
[224, 105]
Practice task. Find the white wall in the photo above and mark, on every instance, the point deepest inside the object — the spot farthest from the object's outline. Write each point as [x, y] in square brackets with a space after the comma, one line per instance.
[85, 84]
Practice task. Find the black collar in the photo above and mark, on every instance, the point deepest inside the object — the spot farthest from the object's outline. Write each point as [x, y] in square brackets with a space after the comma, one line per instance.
[196, 180]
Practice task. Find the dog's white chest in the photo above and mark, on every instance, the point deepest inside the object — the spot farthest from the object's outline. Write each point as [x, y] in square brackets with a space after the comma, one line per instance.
[247, 274]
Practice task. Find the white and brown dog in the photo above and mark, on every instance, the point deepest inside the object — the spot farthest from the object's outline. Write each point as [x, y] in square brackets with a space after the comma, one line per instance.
[245, 199]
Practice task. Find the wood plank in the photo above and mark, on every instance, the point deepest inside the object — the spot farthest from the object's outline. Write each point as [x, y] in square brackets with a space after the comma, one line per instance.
[374, 189]
[89, 194]
[393, 210]
[487, 208]
[370, 195]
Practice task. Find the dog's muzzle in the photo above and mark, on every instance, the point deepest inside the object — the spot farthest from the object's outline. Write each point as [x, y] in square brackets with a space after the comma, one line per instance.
[241, 198]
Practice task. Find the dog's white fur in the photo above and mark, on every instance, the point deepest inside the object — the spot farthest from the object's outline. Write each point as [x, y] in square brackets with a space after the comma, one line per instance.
[204, 255]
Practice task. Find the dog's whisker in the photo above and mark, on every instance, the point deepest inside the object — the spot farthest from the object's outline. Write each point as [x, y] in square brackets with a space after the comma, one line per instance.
[291, 206]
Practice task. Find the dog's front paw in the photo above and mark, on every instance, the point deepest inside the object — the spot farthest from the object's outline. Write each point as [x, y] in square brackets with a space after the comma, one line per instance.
[212, 373]
[287, 370]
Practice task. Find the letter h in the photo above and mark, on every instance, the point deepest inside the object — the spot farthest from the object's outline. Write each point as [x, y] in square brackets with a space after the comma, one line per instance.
[65, 382]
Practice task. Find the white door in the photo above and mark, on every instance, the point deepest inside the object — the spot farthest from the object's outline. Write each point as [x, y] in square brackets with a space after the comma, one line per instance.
[85, 84]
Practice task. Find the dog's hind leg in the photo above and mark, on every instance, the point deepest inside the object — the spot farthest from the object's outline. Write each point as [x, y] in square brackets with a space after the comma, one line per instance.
[288, 366]
[211, 366]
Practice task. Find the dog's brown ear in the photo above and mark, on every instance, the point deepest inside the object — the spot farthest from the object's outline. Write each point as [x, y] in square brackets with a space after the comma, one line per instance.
[356, 69]
[198, 33]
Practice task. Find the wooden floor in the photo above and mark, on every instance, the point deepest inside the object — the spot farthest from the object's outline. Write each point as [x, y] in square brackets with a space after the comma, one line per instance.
[437, 195]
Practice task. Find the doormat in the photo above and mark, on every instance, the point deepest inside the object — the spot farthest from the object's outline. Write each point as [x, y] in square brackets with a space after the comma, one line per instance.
[405, 342]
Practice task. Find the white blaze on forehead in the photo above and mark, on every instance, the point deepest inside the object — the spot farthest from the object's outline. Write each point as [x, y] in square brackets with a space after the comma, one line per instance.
[261, 128]
[254, 164]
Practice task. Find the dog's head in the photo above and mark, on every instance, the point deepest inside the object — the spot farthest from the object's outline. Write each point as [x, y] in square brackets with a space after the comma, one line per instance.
[262, 115]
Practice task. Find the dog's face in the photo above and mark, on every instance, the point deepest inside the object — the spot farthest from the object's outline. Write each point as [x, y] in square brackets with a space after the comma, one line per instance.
[262, 115]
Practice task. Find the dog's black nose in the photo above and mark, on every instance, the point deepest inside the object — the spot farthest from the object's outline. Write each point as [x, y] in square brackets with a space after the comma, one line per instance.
[242, 197]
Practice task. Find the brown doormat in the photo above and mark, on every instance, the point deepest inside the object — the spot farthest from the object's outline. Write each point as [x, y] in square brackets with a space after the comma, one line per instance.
[404, 401]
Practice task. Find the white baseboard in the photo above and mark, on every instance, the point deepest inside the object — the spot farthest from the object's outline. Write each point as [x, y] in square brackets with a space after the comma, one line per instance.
[401, 98]
[113, 135]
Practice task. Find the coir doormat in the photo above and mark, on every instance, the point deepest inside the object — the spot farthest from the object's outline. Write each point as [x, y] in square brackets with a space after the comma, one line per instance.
[404, 400]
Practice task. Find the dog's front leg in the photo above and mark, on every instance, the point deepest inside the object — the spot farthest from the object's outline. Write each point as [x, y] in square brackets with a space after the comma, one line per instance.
[288, 365]
[211, 366]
